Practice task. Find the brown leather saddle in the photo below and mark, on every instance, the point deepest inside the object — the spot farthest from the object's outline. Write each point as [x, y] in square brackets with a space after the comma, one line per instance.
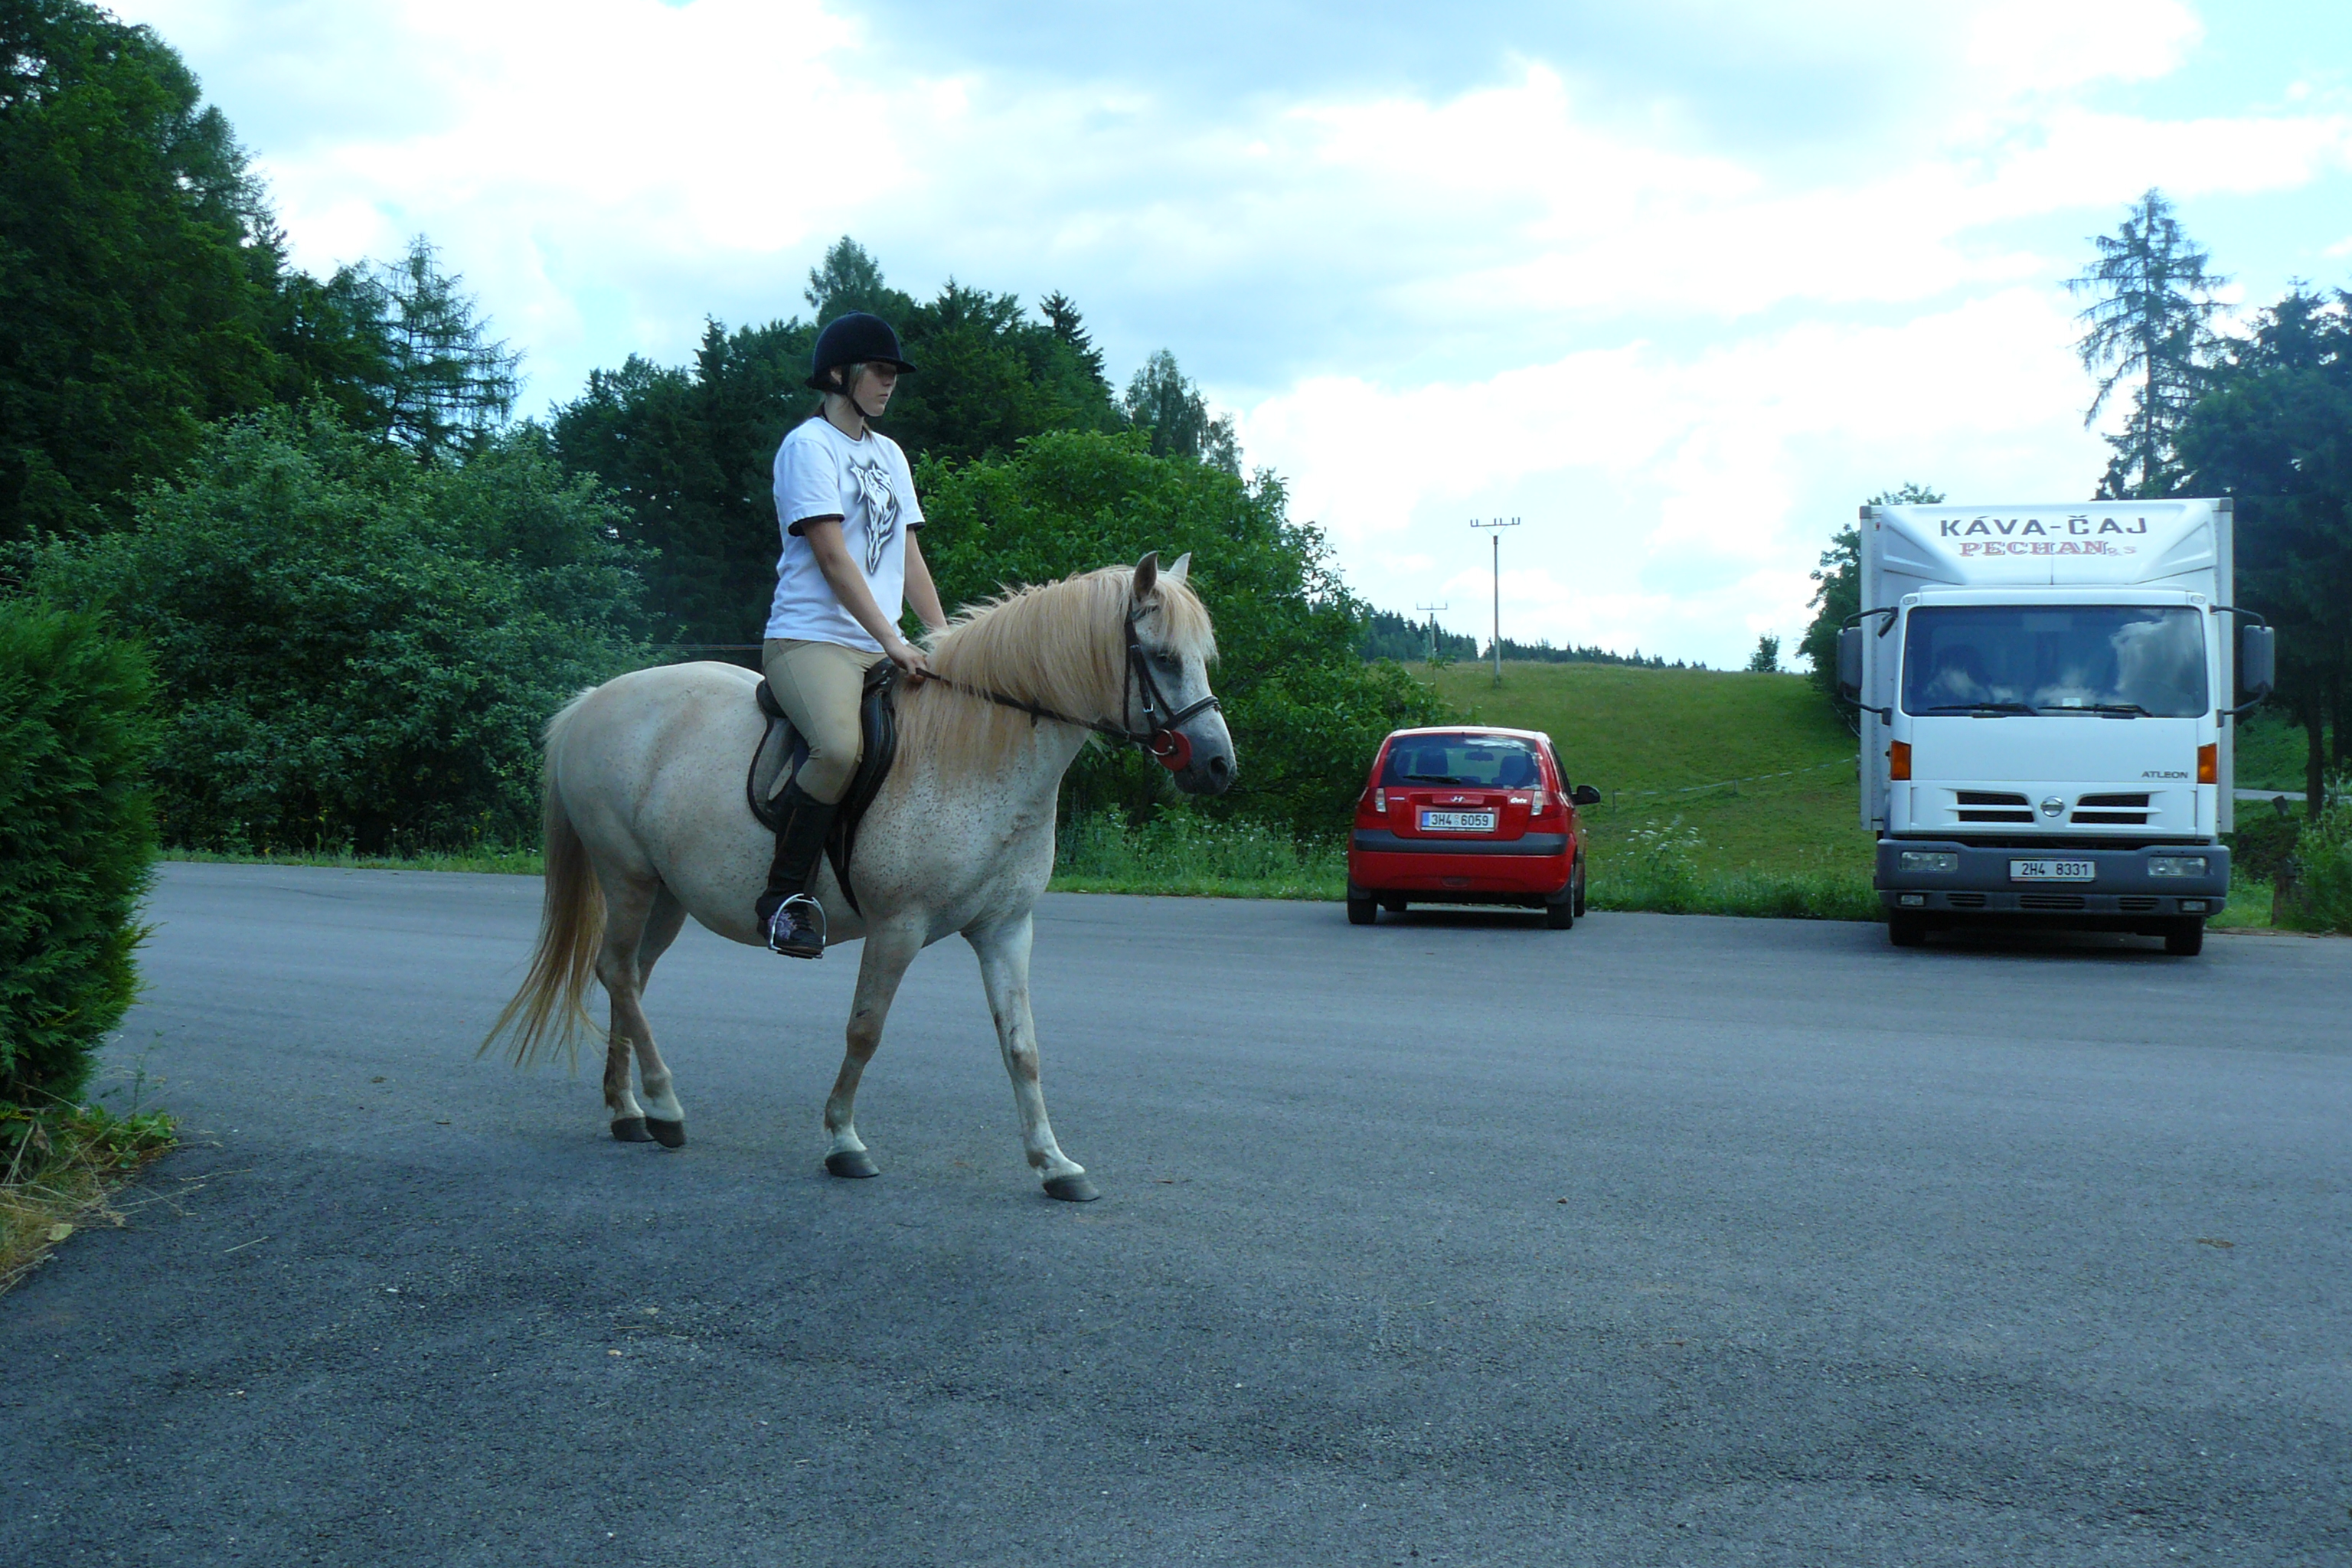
[781, 750]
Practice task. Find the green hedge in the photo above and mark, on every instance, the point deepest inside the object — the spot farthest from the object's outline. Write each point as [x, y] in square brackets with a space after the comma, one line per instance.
[357, 649]
[77, 842]
[2315, 892]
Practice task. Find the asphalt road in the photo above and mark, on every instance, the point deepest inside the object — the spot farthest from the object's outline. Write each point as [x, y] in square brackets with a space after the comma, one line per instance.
[1447, 1241]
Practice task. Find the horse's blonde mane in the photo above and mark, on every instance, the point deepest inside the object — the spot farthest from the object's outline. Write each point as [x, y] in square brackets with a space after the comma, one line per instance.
[1061, 646]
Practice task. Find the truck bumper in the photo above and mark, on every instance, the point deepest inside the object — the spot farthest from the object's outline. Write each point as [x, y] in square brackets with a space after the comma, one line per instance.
[2123, 890]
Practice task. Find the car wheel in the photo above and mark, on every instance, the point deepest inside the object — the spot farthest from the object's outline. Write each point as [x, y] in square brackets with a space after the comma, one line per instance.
[1579, 887]
[1363, 908]
[2185, 939]
[1561, 915]
[1906, 931]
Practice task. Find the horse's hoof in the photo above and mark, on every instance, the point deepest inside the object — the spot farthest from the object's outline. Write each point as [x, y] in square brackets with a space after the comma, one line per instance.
[852, 1163]
[630, 1129]
[1071, 1189]
[668, 1134]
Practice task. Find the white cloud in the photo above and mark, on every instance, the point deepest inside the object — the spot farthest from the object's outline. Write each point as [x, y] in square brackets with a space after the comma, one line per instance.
[1678, 501]
[2022, 45]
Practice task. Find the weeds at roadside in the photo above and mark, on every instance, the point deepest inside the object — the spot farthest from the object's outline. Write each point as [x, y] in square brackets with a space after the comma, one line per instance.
[1178, 853]
[61, 1165]
[485, 857]
[1662, 868]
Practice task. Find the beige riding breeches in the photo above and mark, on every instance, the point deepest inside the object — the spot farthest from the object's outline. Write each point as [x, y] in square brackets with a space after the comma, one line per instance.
[818, 684]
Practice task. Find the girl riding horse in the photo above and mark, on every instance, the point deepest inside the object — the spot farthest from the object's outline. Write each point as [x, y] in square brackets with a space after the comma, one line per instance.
[845, 501]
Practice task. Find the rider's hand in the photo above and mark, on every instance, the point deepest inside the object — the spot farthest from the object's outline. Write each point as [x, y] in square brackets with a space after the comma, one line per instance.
[908, 658]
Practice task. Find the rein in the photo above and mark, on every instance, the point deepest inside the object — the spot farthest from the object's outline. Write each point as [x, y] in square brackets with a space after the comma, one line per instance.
[1159, 737]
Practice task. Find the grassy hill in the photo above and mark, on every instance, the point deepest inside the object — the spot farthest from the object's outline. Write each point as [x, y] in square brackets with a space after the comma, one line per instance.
[1757, 766]
[2271, 753]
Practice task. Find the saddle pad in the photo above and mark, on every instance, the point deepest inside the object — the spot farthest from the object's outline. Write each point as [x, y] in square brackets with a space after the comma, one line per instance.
[781, 751]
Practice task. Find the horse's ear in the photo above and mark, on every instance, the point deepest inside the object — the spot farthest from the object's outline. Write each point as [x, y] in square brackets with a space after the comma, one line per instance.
[1182, 564]
[1147, 576]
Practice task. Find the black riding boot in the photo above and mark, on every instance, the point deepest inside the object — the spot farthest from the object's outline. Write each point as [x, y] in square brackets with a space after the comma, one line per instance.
[793, 921]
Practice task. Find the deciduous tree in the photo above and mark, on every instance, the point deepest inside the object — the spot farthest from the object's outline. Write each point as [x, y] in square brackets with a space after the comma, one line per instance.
[690, 449]
[2273, 431]
[1172, 413]
[136, 267]
[1837, 587]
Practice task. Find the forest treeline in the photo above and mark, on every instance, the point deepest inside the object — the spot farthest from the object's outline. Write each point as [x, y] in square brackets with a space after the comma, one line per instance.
[1388, 634]
[2262, 414]
[362, 585]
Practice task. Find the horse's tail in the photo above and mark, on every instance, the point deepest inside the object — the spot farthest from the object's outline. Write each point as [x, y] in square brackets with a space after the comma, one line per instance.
[546, 1014]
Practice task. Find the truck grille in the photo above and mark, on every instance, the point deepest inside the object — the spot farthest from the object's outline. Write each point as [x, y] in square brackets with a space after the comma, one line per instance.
[2135, 904]
[2050, 900]
[2104, 810]
[2013, 807]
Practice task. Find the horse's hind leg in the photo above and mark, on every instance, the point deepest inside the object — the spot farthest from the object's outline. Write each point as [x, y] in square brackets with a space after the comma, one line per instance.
[641, 918]
[1003, 952]
[888, 949]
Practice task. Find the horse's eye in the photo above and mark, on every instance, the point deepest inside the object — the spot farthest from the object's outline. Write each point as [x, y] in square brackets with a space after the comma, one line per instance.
[1167, 662]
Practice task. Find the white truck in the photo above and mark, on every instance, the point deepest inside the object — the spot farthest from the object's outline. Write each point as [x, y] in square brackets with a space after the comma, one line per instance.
[2046, 698]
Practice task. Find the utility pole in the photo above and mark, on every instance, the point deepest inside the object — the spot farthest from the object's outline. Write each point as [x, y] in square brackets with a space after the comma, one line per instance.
[1432, 610]
[1497, 523]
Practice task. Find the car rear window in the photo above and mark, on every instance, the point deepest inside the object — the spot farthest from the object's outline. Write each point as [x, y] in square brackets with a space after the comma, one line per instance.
[1496, 762]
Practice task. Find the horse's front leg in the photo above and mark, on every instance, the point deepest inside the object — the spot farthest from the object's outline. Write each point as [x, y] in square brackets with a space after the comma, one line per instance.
[888, 949]
[1004, 970]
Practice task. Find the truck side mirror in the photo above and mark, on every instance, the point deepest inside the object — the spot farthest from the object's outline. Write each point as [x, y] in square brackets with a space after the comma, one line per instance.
[1585, 794]
[2257, 660]
[1850, 664]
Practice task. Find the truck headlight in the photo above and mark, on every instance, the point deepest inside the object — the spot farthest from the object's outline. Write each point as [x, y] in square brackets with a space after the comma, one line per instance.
[2176, 865]
[1943, 861]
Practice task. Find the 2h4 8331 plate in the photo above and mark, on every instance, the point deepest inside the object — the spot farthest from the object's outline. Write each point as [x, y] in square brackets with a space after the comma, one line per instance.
[2053, 871]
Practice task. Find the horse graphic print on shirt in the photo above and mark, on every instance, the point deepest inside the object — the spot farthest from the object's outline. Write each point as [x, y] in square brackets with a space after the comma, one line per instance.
[873, 480]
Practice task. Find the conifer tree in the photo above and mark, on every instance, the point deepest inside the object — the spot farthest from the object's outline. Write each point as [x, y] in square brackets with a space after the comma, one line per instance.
[2148, 322]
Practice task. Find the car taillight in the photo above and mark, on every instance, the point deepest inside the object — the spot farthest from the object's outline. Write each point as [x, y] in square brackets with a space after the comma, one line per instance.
[1539, 802]
[1379, 803]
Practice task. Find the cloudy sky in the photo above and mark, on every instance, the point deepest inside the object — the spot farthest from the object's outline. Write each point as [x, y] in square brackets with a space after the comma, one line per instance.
[1678, 284]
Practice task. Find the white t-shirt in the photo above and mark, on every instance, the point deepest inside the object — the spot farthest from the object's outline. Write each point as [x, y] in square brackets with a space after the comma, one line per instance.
[820, 472]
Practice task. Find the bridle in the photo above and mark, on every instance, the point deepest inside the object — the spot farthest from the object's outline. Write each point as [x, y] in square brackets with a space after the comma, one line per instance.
[1167, 745]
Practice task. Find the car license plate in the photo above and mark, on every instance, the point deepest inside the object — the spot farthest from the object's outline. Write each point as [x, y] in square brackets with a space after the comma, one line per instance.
[1457, 822]
[2053, 872]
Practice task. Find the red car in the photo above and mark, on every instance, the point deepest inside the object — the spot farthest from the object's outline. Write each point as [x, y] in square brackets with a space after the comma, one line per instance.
[1468, 816]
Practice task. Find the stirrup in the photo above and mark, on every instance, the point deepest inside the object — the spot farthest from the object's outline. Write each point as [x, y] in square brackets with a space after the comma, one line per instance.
[797, 928]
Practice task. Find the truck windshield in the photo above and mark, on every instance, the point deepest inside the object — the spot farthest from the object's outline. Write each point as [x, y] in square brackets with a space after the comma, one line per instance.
[1496, 762]
[2026, 658]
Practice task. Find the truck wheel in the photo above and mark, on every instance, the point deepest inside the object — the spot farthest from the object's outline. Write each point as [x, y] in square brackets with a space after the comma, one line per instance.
[1362, 908]
[1906, 931]
[2185, 939]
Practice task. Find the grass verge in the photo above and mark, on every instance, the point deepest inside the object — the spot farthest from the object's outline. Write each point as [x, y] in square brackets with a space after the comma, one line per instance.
[61, 1167]
[516, 862]
[1178, 854]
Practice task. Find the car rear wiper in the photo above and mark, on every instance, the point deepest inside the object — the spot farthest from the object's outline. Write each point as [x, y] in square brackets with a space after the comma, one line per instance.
[1982, 708]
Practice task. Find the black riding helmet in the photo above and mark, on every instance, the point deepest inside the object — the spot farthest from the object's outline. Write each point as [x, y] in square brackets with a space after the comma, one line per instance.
[857, 338]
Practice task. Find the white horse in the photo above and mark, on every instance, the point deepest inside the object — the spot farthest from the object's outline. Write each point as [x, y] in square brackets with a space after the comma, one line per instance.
[646, 824]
